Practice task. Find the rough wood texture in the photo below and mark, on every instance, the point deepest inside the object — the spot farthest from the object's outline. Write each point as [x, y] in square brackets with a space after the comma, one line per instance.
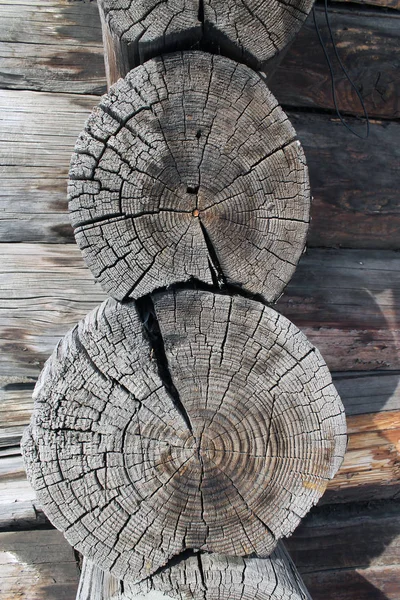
[51, 45]
[353, 206]
[189, 169]
[252, 32]
[205, 577]
[370, 471]
[37, 565]
[56, 46]
[350, 552]
[361, 393]
[345, 301]
[367, 43]
[139, 449]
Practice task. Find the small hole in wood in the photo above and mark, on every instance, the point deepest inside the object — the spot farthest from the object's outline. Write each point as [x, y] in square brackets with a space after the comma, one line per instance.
[192, 189]
[198, 134]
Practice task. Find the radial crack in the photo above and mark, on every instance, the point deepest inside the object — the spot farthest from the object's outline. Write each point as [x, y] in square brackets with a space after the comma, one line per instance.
[148, 316]
[216, 270]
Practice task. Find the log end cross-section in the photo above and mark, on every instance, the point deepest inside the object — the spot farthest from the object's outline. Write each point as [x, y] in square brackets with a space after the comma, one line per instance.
[192, 421]
[189, 169]
[249, 31]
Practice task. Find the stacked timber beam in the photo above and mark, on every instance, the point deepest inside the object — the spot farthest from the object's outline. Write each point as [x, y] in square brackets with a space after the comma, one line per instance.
[345, 300]
[179, 435]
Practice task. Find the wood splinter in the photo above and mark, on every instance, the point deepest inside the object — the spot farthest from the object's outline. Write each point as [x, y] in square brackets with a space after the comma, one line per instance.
[195, 421]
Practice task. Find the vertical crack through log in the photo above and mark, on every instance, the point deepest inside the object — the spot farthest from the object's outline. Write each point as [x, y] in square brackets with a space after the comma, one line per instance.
[200, 14]
[148, 317]
[202, 575]
[217, 273]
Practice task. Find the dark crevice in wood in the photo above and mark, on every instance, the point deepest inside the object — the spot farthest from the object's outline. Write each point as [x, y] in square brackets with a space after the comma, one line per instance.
[172, 562]
[151, 327]
[201, 12]
[201, 571]
[221, 279]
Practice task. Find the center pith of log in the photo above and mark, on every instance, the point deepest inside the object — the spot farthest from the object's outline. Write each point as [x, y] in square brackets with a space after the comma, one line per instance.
[190, 169]
[194, 421]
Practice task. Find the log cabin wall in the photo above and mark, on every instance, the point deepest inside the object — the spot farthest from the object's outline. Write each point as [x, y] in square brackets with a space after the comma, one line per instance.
[344, 295]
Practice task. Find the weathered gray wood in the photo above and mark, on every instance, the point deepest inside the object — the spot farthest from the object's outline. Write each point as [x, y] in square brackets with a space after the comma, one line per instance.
[361, 393]
[350, 553]
[369, 472]
[252, 32]
[189, 169]
[353, 205]
[367, 42]
[56, 46]
[138, 456]
[37, 565]
[210, 577]
[350, 311]
[51, 45]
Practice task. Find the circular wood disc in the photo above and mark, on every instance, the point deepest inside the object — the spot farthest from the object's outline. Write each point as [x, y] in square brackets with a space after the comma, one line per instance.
[250, 31]
[224, 449]
[215, 577]
[189, 169]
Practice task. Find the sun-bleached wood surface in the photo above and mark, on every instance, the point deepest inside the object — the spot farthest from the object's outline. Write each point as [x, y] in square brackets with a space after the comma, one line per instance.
[204, 577]
[353, 206]
[140, 449]
[189, 169]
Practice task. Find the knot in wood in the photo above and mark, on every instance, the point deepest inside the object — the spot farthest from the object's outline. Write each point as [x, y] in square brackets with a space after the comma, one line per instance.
[189, 135]
[223, 447]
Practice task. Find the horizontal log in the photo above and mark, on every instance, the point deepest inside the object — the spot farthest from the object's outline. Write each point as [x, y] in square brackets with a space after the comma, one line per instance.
[395, 4]
[51, 45]
[345, 301]
[351, 552]
[361, 393]
[37, 565]
[56, 46]
[370, 471]
[367, 42]
[353, 205]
